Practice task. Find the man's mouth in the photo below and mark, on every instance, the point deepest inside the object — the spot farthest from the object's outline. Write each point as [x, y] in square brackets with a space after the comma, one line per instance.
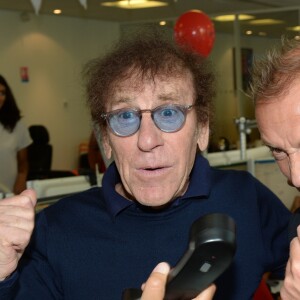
[153, 169]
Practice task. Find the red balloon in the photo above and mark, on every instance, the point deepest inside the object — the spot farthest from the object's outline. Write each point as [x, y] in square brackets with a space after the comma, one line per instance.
[195, 29]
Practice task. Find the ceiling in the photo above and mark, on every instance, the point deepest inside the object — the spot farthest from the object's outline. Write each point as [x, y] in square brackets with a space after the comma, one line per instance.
[171, 12]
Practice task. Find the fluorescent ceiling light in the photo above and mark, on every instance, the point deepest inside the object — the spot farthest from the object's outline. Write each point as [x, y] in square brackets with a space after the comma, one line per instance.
[295, 28]
[262, 33]
[57, 11]
[265, 22]
[230, 18]
[134, 4]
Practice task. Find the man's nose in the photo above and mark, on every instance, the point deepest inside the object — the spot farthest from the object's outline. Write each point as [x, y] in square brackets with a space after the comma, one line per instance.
[295, 169]
[149, 136]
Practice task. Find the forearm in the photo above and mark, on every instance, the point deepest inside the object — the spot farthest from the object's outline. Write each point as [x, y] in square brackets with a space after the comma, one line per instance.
[20, 182]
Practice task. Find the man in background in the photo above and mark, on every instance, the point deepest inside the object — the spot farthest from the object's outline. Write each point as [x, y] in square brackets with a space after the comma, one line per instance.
[276, 94]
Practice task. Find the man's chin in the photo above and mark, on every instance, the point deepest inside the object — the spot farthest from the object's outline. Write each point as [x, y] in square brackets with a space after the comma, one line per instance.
[153, 202]
[154, 206]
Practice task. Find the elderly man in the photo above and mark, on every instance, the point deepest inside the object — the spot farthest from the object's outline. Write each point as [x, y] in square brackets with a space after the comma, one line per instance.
[276, 92]
[152, 100]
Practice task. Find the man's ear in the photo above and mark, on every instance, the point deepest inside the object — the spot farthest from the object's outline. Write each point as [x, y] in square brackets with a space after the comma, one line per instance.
[203, 136]
[106, 144]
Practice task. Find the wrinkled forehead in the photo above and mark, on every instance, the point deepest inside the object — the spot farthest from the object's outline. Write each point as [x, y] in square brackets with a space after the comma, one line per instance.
[135, 81]
[275, 114]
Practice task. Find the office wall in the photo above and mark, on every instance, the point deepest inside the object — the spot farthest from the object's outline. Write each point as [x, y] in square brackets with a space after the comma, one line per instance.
[54, 49]
[226, 107]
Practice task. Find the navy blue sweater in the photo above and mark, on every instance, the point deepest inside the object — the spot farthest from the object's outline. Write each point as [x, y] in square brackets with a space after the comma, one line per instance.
[96, 243]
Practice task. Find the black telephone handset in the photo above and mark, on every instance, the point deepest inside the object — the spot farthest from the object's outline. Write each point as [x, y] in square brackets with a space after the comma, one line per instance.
[211, 250]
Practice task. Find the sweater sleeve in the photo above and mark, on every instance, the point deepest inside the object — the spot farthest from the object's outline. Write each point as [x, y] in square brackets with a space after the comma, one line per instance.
[8, 287]
[37, 279]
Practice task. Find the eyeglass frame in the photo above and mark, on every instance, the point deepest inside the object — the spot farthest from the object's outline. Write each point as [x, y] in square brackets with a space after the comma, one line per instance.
[183, 108]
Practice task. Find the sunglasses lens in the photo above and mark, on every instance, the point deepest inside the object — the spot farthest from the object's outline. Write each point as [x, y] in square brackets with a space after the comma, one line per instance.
[169, 118]
[124, 122]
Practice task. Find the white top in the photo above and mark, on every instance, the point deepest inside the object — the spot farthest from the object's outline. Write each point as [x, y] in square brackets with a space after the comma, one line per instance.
[10, 144]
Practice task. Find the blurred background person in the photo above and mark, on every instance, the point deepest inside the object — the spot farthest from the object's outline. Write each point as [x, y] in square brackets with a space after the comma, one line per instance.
[95, 158]
[14, 139]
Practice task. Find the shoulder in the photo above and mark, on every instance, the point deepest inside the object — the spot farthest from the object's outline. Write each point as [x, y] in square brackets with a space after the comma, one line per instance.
[21, 129]
[76, 205]
[22, 134]
[88, 197]
[244, 187]
[233, 176]
[21, 125]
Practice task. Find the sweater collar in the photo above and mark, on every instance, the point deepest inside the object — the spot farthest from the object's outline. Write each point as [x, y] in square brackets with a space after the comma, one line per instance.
[199, 186]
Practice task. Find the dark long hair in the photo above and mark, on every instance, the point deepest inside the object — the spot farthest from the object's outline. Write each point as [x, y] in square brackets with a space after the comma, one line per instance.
[9, 112]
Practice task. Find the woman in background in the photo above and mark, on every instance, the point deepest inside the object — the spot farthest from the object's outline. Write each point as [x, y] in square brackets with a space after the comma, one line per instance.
[94, 155]
[14, 139]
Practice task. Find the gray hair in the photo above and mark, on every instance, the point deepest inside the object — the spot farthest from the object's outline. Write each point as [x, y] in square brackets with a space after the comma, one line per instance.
[273, 75]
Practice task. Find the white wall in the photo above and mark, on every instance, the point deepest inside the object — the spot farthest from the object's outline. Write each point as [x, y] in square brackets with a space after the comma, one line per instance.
[54, 48]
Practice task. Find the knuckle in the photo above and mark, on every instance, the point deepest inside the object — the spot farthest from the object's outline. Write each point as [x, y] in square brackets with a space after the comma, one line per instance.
[26, 237]
[155, 282]
[25, 200]
[295, 269]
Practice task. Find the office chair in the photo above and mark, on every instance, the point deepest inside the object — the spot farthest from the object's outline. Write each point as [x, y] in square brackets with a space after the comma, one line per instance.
[39, 153]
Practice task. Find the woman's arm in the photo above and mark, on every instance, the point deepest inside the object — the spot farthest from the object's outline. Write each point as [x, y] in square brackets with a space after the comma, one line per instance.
[22, 161]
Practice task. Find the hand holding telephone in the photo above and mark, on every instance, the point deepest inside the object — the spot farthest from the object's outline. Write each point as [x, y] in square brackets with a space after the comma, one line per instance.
[211, 250]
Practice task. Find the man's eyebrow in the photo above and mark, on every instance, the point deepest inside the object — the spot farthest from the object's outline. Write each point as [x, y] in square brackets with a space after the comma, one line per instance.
[266, 144]
[120, 100]
[272, 147]
[168, 96]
